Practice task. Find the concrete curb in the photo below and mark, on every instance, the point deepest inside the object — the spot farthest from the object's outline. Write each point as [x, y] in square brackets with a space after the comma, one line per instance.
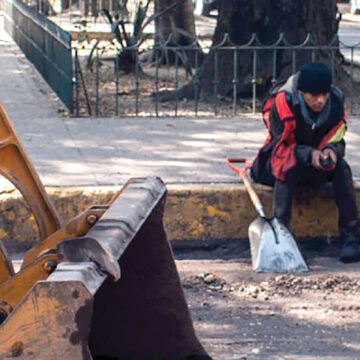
[192, 212]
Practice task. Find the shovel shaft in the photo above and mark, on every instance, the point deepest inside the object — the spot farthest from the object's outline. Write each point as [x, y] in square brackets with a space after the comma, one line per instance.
[249, 188]
[253, 196]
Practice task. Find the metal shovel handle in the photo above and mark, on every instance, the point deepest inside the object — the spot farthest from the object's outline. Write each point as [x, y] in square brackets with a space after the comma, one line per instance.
[249, 188]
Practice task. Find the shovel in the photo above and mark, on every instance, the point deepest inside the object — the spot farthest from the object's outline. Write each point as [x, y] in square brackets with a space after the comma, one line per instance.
[273, 248]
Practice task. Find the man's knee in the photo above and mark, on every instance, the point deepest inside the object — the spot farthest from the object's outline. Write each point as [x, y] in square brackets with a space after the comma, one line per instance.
[342, 169]
[342, 164]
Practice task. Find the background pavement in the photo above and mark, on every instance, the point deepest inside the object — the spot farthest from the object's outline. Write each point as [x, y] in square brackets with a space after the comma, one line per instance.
[96, 151]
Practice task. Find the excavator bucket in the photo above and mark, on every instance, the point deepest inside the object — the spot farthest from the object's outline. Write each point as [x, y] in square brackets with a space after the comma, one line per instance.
[104, 286]
[83, 312]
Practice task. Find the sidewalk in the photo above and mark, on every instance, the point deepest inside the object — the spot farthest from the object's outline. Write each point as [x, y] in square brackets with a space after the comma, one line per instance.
[95, 151]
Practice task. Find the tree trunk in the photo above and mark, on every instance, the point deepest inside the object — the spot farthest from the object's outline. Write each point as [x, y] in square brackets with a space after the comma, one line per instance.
[179, 23]
[268, 19]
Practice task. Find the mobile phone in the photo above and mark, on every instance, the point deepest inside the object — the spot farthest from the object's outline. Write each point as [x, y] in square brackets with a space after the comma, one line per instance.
[327, 163]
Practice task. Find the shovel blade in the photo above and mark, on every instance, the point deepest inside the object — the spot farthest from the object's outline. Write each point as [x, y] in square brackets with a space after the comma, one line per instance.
[273, 248]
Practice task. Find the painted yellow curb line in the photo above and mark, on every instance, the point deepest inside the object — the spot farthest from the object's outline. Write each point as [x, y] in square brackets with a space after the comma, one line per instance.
[192, 211]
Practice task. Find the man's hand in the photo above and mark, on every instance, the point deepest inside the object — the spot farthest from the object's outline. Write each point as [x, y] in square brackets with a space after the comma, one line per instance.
[329, 153]
[317, 157]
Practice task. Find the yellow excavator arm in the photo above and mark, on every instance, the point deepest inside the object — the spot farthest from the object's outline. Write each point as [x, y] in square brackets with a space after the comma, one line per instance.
[104, 285]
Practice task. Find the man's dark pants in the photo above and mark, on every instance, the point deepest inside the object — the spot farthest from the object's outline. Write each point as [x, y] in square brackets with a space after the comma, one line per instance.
[344, 192]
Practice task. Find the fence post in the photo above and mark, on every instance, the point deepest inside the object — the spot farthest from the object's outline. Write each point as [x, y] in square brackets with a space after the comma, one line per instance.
[216, 80]
[274, 75]
[293, 62]
[97, 83]
[137, 82]
[352, 81]
[156, 81]
[176, 81]
[235, 80]
[254, 81]
[76, 64]
[117, 83]
[196, 82]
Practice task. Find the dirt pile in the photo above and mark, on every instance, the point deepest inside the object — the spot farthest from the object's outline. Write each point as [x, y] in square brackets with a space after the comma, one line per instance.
[286, 285]
[277, 286]
[239, 314]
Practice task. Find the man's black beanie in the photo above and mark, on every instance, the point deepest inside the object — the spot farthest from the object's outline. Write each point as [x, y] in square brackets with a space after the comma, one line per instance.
[315, 78]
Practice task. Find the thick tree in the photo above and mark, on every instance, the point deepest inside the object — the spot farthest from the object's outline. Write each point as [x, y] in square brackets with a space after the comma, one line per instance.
[267, 19]
[179, 21]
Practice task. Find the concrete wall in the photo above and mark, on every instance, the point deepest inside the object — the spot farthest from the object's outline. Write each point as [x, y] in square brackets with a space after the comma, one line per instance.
[220, 211]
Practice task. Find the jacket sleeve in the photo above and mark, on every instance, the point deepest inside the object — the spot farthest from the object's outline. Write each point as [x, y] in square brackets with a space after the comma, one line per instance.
[303, 154]
[336, 140]
[277, 127]
[338, 148]
[283, 126]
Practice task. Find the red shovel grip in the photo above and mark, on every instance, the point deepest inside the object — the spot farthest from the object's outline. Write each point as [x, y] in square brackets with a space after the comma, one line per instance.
[240, 171]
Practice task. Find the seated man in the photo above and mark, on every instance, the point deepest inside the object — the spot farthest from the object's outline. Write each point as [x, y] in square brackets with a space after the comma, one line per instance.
[307, 122]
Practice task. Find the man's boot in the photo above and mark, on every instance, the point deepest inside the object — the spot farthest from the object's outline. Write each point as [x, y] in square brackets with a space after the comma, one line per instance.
[350, 236]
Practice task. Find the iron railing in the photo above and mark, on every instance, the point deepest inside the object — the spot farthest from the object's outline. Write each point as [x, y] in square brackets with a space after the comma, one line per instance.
[111, 95]
[45, 44]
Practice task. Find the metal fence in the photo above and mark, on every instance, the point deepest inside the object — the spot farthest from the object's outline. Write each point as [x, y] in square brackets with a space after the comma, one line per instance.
[113, 92]
[45, 44]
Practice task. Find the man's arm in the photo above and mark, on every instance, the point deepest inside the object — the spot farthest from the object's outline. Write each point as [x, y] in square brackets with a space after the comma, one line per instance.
[277, 127]
[338, 148]
[310, 156]
[303, 154]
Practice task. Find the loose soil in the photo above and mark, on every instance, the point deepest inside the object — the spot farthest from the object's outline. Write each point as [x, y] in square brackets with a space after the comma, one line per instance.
[131, 101]
[239, 314]
[141, 102]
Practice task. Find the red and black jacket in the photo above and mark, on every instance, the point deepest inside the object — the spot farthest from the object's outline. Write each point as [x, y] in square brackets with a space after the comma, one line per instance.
[291, 140]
